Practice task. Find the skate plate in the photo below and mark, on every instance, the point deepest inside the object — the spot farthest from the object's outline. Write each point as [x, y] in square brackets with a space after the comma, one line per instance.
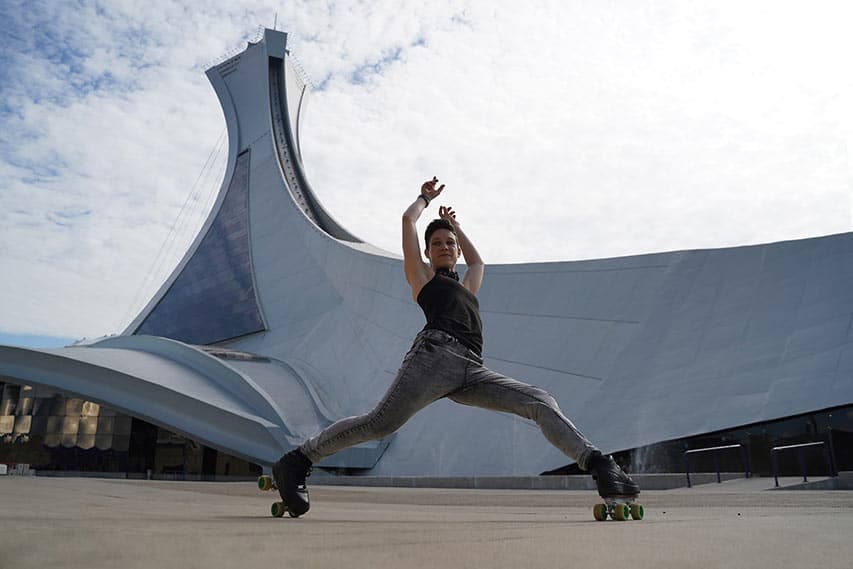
[619, 508]
[278, 509]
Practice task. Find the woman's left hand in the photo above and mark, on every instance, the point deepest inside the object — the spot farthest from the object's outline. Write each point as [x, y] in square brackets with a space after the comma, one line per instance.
[448, 214]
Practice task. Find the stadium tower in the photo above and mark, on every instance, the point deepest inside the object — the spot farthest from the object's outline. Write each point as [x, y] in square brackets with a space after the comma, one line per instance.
[278, 321]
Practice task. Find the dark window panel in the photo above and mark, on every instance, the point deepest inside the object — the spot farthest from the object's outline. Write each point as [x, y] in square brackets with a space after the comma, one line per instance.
[213, 299]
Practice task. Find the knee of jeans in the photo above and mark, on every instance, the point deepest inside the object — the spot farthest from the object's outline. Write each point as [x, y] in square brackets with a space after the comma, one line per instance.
[544, 405]
[545, 398]
[381, 425]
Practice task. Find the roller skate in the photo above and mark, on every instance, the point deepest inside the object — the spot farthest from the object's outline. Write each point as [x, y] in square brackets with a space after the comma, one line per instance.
[616, 488]
[288, 477]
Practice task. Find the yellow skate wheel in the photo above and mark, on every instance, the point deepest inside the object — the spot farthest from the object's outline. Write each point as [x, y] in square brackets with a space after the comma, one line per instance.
[278, 509]
[637, 511]
[600, 512]
[265, 483]
[621, 512]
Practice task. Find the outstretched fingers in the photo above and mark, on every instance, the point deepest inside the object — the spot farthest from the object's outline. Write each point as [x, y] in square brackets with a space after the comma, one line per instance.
[429, 190]
[446, 212]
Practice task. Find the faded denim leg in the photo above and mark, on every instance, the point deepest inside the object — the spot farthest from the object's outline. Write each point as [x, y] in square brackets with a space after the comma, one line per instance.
[491, 390]
[428, 372]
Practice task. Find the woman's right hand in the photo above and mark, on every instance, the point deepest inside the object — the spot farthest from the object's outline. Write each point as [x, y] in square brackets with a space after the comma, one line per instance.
[429, 190]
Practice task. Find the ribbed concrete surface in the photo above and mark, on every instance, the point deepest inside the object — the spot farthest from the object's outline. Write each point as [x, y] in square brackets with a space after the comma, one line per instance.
[90, 523]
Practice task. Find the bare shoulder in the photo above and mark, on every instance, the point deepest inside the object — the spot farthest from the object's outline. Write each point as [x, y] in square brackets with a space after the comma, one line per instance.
[473, 278]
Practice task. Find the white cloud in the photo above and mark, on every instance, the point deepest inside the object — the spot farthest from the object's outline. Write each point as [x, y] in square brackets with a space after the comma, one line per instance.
[564, 130]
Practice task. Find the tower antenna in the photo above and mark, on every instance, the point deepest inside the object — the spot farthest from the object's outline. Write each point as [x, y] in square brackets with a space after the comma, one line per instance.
[275, 22]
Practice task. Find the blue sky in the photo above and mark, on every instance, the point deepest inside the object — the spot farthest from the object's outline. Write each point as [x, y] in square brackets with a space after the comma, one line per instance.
[564, 130]
[34, 341]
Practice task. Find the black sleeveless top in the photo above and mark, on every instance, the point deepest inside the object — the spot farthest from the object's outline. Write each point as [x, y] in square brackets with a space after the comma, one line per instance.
[452, 308]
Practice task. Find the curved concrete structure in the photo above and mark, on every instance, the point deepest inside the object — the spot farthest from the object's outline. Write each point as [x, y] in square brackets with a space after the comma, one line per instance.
[302, 323]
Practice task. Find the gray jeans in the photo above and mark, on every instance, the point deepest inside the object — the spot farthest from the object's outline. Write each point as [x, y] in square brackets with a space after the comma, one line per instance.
[439, 366]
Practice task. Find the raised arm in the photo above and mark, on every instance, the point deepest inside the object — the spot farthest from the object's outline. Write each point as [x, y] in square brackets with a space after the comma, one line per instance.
[475, 267]
[417, 272]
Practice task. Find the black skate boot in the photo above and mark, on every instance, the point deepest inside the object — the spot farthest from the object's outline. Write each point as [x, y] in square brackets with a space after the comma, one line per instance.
[610, 479]
[290, 473]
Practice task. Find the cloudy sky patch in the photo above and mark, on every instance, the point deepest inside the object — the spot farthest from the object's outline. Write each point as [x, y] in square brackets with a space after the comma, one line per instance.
[564, 130]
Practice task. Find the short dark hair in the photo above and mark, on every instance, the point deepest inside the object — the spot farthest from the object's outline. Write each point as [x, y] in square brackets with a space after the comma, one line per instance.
[435, 225]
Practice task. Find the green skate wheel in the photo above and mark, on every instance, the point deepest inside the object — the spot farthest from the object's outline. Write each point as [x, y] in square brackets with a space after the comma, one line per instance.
[621, 512]
[265, 483]
[600, 512]
[637, 511]
[278, 509]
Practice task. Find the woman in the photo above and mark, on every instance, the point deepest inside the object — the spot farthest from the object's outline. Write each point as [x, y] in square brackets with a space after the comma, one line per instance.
[445, 361]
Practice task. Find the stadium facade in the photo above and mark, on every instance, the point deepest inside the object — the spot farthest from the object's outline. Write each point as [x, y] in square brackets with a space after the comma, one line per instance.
[278, 321]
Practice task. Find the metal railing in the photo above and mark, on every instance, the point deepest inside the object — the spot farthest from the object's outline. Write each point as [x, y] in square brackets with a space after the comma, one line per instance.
[801, 458]
[715, 450]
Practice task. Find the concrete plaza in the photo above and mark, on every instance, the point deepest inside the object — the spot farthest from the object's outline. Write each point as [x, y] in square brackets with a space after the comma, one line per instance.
[93, 523]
